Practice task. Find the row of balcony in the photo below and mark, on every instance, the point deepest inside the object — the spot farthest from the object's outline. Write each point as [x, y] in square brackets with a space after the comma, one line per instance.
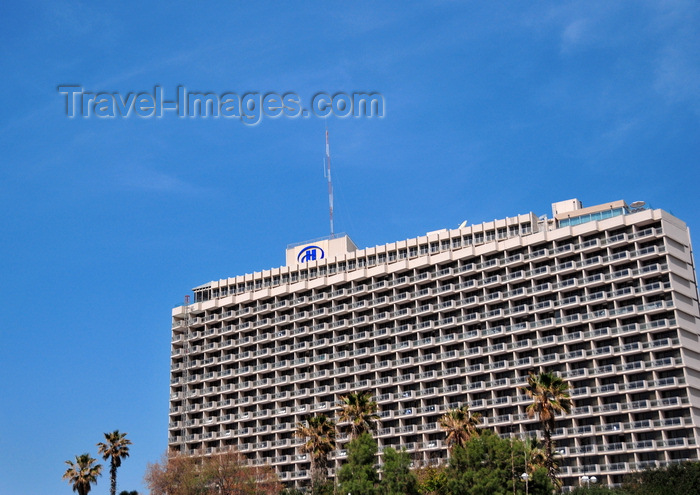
[430, 308]
[529, 361]
[433, 427]
[430, 393]
[618, 467]
[445, 339]
[473, 283]
[503, 261]
[423, 326]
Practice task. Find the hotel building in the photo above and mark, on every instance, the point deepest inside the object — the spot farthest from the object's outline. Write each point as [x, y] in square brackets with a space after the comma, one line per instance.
[606, 296]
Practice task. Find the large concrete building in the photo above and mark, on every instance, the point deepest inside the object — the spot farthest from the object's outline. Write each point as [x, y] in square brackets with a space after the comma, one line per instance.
[606, 296]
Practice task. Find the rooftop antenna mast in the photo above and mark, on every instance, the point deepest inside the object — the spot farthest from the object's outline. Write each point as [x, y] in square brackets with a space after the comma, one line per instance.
[327, 175]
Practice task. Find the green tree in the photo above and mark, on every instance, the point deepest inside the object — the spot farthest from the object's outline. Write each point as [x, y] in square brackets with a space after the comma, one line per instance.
[360, 411]
[490, 465]
[397, 477]
[431, 479]
[115, 448]
[535, 457]
[359, 474]
[82, 473]
[671, 480]
[319, 434]
[550, 396]
[459, 425]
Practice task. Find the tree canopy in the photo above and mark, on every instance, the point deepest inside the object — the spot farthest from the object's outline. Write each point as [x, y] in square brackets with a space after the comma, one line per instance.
[671, 480]
[319, 440]
[459, 425]
[550, 396]
[397, 477]
[490, 465]
[360, 411]
[114, 449]
[82, 473]
[359, 473]
[219, 474]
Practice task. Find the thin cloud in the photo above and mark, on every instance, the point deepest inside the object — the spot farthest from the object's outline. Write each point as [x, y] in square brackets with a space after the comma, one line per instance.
[575, 34]
[139, 178]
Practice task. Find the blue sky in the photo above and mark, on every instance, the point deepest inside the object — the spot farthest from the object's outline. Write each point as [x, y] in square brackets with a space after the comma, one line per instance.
[492, 109]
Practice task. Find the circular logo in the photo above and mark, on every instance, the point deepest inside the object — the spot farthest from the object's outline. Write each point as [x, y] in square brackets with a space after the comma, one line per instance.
[310, 253]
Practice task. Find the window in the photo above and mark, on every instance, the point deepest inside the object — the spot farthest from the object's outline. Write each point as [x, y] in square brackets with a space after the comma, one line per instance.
[591, 217]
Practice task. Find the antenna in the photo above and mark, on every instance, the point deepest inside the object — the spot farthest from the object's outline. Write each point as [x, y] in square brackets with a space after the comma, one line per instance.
[327, 175]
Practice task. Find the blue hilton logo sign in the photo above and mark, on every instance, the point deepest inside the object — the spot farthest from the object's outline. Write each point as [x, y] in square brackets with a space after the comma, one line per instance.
[310, 253]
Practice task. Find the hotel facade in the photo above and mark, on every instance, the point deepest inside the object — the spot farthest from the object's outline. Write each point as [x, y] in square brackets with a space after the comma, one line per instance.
[605, 296]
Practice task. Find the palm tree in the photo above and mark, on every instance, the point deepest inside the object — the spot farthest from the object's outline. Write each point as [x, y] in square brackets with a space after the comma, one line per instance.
[114, 448]
[550, 396]
[534, 455]
[360, 411]
[320, 441]
[82, 473]
[460, 425]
